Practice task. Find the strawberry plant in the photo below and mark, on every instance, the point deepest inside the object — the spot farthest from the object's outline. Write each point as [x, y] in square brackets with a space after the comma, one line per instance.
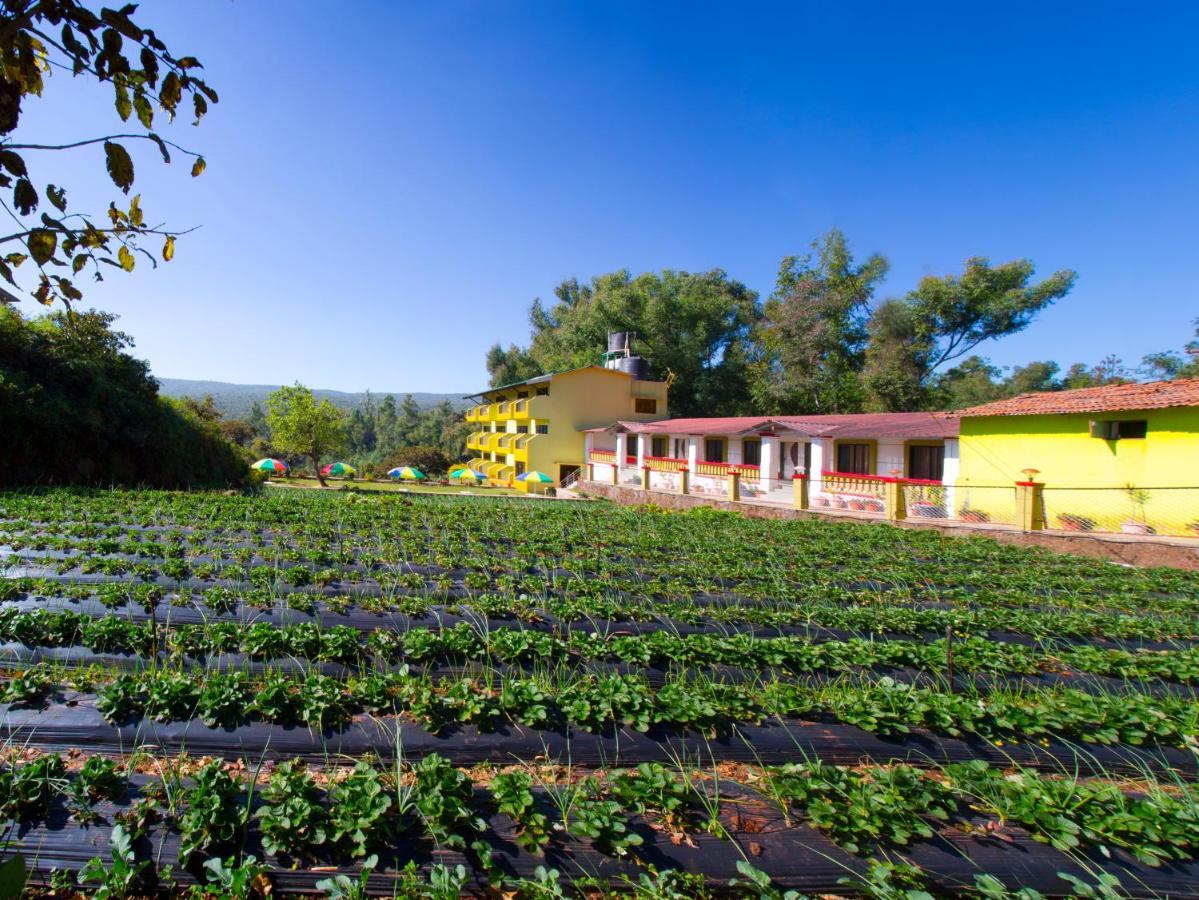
[292, 820]
[358, 811]
[213, 816]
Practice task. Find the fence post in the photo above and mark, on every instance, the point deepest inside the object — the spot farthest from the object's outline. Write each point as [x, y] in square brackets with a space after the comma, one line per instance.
[1030, 505]
[615, 472]
[591, 471]
[893, 500]
[645, 478]
[799, 490]
[734, 484]
[683, 475]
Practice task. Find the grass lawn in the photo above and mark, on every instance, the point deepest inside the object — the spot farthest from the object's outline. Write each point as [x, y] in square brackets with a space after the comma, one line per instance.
[402, 486]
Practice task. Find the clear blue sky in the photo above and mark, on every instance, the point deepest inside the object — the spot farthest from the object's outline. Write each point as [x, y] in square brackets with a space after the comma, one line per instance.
[390, 184]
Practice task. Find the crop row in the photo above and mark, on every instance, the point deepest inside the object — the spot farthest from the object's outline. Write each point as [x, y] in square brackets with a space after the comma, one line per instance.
[660, 649]
[877, 617]
[355, 814]
[598, 703]
[709, 552]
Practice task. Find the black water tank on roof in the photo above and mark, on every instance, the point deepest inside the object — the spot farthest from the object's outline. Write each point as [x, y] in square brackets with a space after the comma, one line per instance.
[619, 340]
[637, 366]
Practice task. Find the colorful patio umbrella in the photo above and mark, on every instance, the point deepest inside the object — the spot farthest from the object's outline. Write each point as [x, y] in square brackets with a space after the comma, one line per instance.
[270, 465]
[535, 477]
[406, 472]
[468, 475]
[338, 468]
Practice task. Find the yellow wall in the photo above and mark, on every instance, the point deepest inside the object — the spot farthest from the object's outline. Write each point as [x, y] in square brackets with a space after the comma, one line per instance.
[994, 450]
[584, 398]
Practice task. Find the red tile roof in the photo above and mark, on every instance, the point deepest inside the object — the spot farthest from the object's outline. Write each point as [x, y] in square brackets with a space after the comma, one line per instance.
[862, 425]
[1108, 398]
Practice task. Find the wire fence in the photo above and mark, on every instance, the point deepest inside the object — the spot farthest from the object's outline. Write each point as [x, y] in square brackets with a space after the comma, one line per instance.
[983, 504]
[1172, 511]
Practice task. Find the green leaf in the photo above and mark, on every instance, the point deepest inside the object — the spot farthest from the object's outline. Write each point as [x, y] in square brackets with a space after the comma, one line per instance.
[201, 107]
[150, 66]
[58, 196]
[162, 146]
[42, 243]
[168, 248]
[125, 258]
[12, 878]
[78, 263]
[198, 167]
[145, 112]
[24, 196]
[170, 93]
[120, 166]
[13, 162]
[123, 103]
[136, 218]
[188, 62]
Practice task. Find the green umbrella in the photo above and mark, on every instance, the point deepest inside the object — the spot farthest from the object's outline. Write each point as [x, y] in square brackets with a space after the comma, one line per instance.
[338, 469]
[535, 477]
[270, 465]
[468, 475]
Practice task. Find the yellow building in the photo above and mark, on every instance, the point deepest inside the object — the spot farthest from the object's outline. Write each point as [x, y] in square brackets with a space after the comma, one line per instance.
[538, 424]
[1114, 458]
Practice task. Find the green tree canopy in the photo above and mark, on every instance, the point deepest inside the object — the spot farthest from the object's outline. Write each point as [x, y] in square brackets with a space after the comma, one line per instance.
[945, 318]
[302, 427]
[42, 38]
[813, 331]
[76, 408]
[694, 326]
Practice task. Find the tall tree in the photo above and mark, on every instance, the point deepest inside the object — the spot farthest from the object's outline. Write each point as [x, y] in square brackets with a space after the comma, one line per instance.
[812, 335]
[692, 326]
[302, 427]
[1171, 364]
[945, 318]
[149, 83]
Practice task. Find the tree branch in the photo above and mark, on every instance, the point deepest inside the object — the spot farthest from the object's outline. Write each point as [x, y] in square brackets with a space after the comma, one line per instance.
[108, 137]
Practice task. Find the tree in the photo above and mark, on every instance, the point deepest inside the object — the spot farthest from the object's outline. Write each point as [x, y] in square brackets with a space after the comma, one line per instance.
[38, 37]
[694, 326]
[812, 335]
[76, 408]
[427, 458]
[302, 427]
[1169, 365]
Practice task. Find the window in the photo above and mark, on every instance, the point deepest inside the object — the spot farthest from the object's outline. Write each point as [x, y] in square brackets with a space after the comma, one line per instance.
[543, 429]
[543, 392]
[645, 406]
[1120, 430]
[853, 459]
[751, 453]
[522, 429]
[630, 445]
[714, 450]
[680, 448]
[520, 395]
[520, 468]
[927, 463]
[660, 446]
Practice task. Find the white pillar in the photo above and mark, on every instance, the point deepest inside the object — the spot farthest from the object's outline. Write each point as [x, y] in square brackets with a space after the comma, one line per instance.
[949, 475]
[770, 456]
[822, 458]
[692, 453]
[642, 439]
[622, 444]
[588, 444]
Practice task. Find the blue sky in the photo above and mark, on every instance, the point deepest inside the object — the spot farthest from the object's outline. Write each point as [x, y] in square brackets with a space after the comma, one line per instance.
[389, 187]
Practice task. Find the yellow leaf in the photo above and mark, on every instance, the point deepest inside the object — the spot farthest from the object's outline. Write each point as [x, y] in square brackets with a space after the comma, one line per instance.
[168, 249]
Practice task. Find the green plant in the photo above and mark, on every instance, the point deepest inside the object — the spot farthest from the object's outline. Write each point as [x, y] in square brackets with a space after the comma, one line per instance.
[358, 810]
[212, 817]
[292, 819]
[120, 880]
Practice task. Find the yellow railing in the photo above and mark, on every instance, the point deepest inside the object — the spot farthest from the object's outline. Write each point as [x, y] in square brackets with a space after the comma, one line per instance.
[721, 470]
[665, 464]
[520, 409]
[849, 483]
[603, 456]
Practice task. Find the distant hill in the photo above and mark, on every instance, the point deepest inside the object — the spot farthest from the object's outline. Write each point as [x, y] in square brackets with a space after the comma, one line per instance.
[236, 399]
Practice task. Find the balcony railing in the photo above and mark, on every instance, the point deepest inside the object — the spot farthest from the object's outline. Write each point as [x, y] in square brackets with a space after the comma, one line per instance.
[852, 483]
[603, 456]
[722, 469]
[665, 464]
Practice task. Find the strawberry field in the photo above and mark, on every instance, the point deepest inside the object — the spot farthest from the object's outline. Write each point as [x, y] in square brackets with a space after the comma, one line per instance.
[427, 696]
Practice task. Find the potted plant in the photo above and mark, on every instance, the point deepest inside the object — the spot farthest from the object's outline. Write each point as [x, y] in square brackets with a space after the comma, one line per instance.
[926, 509]
[1138, 523]
[1075, 522]
[857, 503]
[970, 514]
